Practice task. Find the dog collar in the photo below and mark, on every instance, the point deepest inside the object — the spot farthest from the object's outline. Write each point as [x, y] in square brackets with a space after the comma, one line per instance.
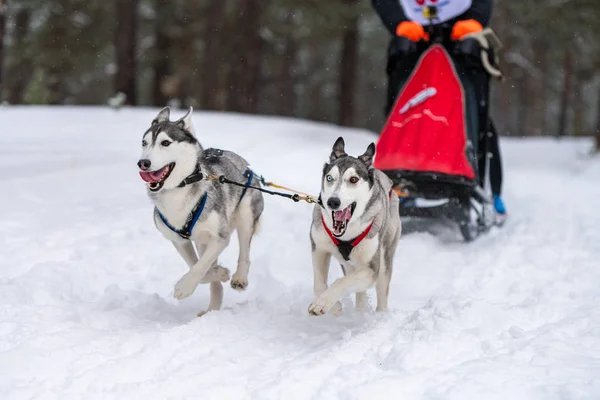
[196, 176]
[345, 247]
[209, 155]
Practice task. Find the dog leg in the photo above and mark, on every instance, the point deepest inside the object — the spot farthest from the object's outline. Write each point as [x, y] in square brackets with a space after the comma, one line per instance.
[362, 302]
[216, 298]
[357, 281]
[321, 261]
[188, 282]
[214, 274]
[187, 252]
[245, 228]
[382, 286]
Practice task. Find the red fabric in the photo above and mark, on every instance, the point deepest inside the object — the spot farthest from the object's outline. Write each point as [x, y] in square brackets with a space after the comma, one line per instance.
[354, 243]
[362, 236]
[333, 238]
[431, 135]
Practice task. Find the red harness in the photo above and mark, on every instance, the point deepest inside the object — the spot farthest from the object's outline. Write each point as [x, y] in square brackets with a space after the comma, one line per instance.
[346, 247]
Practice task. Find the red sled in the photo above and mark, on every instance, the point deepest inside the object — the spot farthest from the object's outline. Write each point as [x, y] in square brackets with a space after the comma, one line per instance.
[429, 143]
[426, 130]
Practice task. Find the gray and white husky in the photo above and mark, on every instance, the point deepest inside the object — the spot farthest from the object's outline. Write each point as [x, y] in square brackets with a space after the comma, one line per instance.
[359, 224]
[191, 210]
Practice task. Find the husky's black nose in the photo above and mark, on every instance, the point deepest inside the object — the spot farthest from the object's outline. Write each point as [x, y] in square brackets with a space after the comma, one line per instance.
[144, 164]
[334, 203]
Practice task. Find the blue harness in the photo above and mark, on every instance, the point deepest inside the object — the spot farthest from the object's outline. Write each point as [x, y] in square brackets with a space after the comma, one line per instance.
[186, 231]
[250, 175]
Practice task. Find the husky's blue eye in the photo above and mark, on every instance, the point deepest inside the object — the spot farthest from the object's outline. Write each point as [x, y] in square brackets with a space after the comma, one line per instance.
[144, 143]
[165, 143]
[329, 178]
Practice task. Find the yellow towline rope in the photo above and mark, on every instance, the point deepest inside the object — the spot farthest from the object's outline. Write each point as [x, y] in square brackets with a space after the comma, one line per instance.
[297, 196]
[305, 196]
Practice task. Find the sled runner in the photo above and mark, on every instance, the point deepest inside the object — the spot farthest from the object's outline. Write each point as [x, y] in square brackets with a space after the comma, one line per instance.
[434, 142]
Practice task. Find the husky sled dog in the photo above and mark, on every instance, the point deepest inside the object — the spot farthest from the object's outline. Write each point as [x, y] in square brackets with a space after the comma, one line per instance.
[359, 224]
[191, 210]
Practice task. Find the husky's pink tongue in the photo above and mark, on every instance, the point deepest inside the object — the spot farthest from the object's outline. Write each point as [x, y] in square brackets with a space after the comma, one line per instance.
[152, 176]
[343, 215]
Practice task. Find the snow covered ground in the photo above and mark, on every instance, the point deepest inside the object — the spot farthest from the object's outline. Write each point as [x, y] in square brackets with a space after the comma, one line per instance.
[86, 307]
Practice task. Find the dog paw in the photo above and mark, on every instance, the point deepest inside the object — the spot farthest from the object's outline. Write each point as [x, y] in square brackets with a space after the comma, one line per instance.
[222, 274]
[323, 305]
[216, 274]
[239, 282]
[186, 286]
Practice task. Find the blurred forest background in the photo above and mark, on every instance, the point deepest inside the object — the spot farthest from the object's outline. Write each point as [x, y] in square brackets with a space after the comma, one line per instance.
[319, 60]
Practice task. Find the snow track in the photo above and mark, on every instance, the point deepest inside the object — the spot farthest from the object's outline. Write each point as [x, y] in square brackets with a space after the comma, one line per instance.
[86, 307]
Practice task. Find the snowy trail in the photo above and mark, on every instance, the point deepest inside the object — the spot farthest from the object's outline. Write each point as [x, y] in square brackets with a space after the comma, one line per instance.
[86, 307]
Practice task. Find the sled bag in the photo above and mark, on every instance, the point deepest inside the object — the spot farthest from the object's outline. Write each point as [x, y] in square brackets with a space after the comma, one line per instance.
[429, 128]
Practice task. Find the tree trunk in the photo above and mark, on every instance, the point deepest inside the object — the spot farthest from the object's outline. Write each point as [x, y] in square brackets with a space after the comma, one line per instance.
[348, 68]
[187, 51]
[565, 98]
[313, 80]
[286, 99]
[542, 52]
[162, 88]
[523, 109]
[598, 124]
[579, 106]
[22, 70]
[502, 112]
[3, 8]
[125, 45]
[186, 68]
[57, 62]
[244, 85]
[213, 54]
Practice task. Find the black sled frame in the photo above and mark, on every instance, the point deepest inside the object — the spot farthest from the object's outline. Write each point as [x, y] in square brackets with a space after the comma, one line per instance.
[463, 202]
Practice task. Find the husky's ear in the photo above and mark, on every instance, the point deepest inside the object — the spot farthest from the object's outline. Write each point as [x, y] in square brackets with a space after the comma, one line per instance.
[162, 116]
[338, 149]
[186, 121]
[367, 157]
